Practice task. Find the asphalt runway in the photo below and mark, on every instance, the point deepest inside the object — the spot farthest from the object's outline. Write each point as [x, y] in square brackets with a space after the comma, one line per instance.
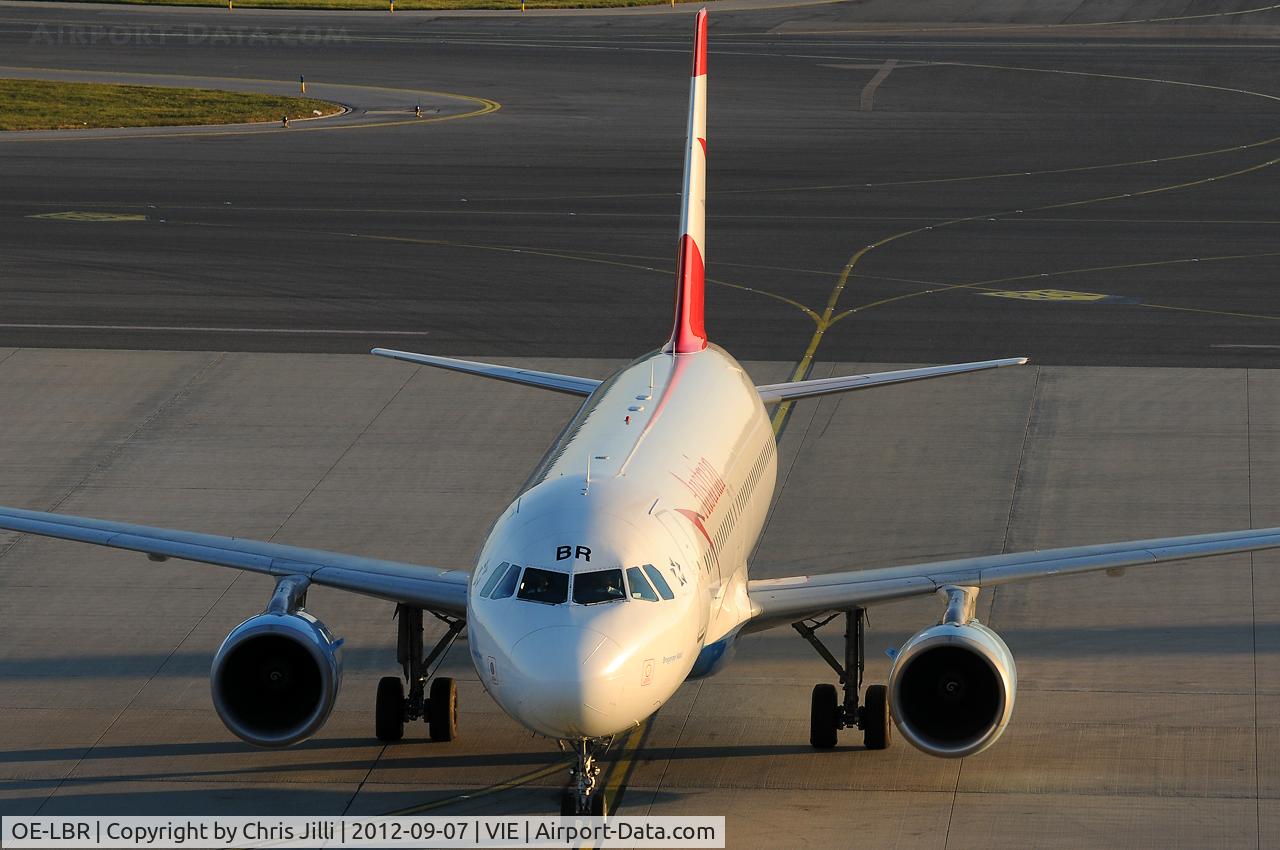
[1129, 166]
[1092, 185]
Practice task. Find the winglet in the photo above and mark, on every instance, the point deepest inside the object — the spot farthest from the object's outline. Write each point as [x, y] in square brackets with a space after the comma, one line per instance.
[689, 333]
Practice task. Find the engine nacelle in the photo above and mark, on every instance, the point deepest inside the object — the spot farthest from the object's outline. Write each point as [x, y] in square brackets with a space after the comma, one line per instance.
[275, 678]
[951, 689]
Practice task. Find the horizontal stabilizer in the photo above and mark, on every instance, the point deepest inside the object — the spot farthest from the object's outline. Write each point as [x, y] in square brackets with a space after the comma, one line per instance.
[774, 393]
[546, 380]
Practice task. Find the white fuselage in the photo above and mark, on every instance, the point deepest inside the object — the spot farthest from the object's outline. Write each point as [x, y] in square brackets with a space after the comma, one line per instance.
[668, 468]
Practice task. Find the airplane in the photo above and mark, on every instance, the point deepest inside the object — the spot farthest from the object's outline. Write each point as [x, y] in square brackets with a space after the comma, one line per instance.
[620, 570]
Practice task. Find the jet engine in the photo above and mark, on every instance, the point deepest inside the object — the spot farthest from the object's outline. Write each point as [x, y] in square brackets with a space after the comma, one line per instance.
[952, 687]
[275, 678]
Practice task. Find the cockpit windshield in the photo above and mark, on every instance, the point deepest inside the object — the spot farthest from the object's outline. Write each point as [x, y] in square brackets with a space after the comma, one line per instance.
[599, 586]
[545, 586]
[659, 582]
[640, 588]
[507, 586]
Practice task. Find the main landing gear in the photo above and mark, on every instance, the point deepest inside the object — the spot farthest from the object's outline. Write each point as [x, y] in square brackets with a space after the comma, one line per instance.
[585, 796]
[439, 706]
[828, 713]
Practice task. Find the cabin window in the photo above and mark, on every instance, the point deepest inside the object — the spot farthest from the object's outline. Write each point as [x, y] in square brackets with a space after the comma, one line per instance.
[596, 587]
[545, 586]
[493, 579]
[658, 581]
[640, 587]
[508, 584]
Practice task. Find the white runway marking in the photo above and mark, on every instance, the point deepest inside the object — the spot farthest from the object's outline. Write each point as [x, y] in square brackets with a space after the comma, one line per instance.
[1241, 345]
[869, 90]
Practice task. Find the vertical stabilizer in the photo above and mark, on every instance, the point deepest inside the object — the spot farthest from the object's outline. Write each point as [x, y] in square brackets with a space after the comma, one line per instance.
[689, 333]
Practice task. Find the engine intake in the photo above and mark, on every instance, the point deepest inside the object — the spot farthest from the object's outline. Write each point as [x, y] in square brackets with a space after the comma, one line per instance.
[275, 678]
[951, 689]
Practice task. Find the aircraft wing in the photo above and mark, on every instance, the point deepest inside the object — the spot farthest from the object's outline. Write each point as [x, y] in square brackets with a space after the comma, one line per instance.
[786, 600]
[434, 589]
[568, 384]
[774, 393]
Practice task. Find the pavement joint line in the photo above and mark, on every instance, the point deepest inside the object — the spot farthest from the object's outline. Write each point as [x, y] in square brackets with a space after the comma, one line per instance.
[896, 183]
[587, 259]
[451, 212]
[1253, 605]
[980, 27]
[526, 251]
[1121, 77]
[657, 787]
[1016, 487]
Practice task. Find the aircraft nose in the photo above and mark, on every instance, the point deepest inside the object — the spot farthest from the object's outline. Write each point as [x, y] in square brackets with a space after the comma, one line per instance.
[574, 681]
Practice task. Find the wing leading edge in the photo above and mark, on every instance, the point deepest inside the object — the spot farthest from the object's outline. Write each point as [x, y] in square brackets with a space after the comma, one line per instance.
[783, 600]
[424, 587]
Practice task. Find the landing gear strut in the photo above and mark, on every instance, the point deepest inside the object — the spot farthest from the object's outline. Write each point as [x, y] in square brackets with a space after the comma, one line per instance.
[584, 796]
[440, 708]
[828, 713]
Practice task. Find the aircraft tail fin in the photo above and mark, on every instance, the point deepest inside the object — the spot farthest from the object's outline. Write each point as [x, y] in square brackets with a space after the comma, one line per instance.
[689, 333]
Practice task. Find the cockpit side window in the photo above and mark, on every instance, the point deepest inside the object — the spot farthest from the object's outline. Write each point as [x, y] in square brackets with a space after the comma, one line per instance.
[550, 588]
[498, 573]
[599, 586]
[640, 587]
[508, 584]
[658, 581]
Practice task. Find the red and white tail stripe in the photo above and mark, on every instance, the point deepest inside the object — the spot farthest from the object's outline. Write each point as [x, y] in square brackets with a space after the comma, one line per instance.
[689, 333]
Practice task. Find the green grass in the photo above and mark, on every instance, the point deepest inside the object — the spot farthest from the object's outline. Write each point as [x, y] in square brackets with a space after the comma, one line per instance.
[43, 105]
[405, 5]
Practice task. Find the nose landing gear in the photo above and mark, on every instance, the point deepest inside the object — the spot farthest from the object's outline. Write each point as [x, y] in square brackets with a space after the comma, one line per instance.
[440, 708]
[828, 714]
[585, 796]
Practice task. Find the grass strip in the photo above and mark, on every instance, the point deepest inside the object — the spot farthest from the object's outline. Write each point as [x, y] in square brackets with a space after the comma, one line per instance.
[45, 105]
